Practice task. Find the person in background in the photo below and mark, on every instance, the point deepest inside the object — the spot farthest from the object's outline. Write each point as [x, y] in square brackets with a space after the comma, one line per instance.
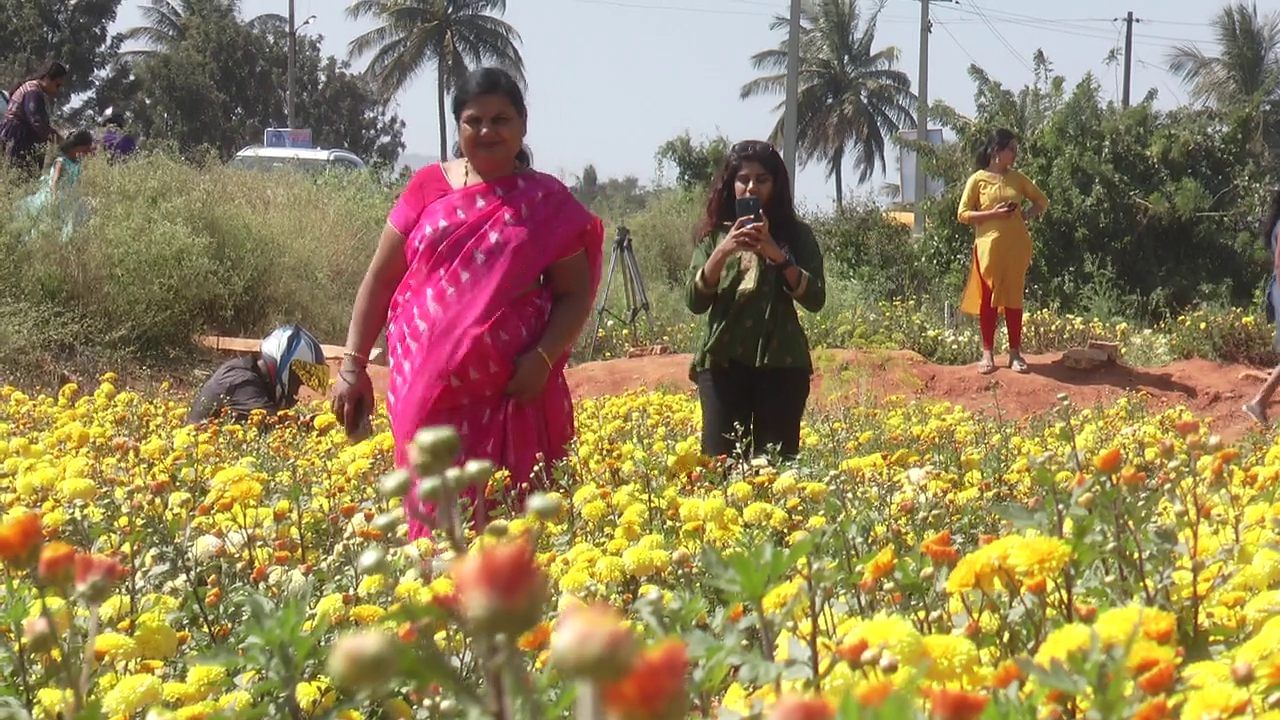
[269, 380]
[994, 203]
[26, 128]
[484, 276]
[747, 274]
[57, 200]
[1257, 407]
[115, 140]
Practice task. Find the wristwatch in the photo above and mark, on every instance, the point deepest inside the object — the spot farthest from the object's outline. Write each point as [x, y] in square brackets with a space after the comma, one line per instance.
[787, 261]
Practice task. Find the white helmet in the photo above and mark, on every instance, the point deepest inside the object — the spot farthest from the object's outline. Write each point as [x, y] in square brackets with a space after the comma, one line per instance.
[290, 351]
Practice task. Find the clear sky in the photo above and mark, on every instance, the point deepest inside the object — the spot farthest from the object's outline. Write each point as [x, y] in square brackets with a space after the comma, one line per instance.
[610, 80]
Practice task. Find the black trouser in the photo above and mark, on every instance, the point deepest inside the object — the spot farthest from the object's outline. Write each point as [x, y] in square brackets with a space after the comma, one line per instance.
[750, 409]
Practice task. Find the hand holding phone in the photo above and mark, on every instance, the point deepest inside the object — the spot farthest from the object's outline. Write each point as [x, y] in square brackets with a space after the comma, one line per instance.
[749, 206]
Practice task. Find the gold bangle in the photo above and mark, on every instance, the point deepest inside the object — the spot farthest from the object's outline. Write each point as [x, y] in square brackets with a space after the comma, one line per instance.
[543, 353]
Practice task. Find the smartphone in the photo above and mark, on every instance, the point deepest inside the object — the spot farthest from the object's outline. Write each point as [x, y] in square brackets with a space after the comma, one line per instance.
[749, 206]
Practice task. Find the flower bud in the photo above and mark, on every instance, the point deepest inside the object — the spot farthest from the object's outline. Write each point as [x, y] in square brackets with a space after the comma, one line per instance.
[431, 488]
[871, 656]
[373, 561]
[454, 481]
[545, 506]
[388, 522]
[500, 588]
[496, 528]
[799, 708]
[592, 641]
[96, 575]
[57, 564]
[433, 449]
[888, 664]
[362, 661]
[1242, 673]
[38, 634]
[477, 472]
[394, 484]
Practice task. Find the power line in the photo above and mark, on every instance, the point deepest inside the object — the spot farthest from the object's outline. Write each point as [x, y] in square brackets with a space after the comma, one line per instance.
[956, 40]
[675, 8]
[1003, 40]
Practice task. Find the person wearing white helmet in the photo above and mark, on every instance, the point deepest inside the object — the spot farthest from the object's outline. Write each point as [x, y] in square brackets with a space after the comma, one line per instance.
[269, 380]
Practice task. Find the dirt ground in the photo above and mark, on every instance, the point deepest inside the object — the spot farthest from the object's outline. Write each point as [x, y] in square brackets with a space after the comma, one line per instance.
[1211, 390]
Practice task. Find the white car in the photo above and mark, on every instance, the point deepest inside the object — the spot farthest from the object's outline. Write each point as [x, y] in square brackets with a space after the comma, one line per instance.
[258, 157]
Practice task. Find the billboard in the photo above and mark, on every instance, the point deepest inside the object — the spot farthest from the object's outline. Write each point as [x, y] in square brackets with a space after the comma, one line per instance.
[907, 167]
[287, 138]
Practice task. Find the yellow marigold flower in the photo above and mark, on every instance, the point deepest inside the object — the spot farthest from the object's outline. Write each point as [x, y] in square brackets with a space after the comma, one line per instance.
[1038, 557]
[367, 614]
[235, 700]
[115, 648]
[206, 677]
[371, 585]
[77, 488]
[595, 512]
[132, 694]
[179, 693]
[609, 570]
[952, 660]
[1216, 700]
[575, 582]
[1065, 643]
[155, 638]
[780, 597]
[331, 609]
[314, 697]
[759, 513]
[200, 711]
[53, 703]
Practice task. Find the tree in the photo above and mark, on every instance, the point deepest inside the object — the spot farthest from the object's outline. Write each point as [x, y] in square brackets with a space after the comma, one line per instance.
[451, 34]
[74, 32]
[851, 96]
[1247, 71]
[696, 163]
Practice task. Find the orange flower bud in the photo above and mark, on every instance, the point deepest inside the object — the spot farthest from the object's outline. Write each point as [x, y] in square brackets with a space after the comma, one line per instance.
[57, 564]
[96, 575]
[654, 689]
[592, 641]
[20, 538]
[1109, 461]
[957, 705]
[500, 588]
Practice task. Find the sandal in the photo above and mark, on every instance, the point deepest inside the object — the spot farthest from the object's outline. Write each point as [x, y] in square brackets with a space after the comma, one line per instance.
[986, 366]
[1018, 365]
[1255, 411]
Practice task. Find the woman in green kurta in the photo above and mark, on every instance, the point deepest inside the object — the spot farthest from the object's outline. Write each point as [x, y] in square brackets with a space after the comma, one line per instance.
[747, 274]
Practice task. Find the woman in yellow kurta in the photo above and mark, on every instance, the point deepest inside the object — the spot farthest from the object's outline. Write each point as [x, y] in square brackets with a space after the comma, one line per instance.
[994, 204]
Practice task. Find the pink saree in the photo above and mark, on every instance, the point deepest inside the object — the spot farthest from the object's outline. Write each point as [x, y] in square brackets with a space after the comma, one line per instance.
[471, 302]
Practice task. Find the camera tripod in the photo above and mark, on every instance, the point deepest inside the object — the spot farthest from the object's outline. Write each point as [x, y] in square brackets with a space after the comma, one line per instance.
[632, 284]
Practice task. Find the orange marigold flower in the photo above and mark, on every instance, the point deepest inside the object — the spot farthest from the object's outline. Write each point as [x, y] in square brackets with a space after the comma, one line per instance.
[852, 652]
[879, 567]
[1158, 679]
[1108, 461]
[654, 688]
[940, 549]
[500, 588]
[1006, 675]
[1159, 627]
[57, 564]
[1154, 709]
[535, 639]
[1130, 477]
[957, 704]
[797, 708]
[96, 575]
[19, 539]
[873, 694]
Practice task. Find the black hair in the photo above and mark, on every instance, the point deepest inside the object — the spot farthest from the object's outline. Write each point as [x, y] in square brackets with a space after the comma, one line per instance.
[492, 81]
[54, 70]
[1273, 218]
[78, 139]
[721, 205]
[998, 140]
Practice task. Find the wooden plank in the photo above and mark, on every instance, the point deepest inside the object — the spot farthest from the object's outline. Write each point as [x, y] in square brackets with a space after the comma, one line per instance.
[250, 345]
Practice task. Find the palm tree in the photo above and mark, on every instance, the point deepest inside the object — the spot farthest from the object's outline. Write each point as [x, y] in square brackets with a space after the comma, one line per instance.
[851, 95]
[1248, 68]
[166, 23]
[449, 33]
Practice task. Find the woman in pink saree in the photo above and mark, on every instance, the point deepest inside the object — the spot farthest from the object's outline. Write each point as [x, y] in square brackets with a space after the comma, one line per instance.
[484, 276]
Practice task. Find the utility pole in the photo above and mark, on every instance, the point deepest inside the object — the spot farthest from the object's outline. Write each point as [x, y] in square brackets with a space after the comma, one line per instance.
[1128, 57]
[790, 116]
[922, 118]
[293, 61]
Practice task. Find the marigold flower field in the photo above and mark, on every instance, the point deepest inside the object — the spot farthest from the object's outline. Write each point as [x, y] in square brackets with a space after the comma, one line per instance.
[918, 561]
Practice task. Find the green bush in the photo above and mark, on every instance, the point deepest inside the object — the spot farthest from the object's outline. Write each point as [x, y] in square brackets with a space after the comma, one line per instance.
[171, 249]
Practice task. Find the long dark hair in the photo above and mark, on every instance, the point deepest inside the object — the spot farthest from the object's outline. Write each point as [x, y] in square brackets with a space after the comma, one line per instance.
[54, 70]
[721, 210]
[998, 140]
[492, 81]
[1273, 218]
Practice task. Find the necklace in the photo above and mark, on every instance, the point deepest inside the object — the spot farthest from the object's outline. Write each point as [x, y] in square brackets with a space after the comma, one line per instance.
[466, 172]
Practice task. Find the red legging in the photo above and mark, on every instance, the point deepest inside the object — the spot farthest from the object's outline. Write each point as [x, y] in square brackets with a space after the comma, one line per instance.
[987, 321]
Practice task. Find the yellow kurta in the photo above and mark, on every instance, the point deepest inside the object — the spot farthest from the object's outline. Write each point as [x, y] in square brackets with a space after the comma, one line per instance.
[1002, 246]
